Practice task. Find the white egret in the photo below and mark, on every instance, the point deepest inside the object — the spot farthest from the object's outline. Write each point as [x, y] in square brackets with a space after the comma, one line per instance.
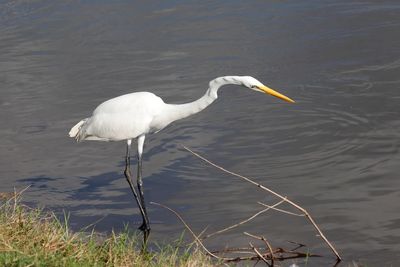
[135, 115]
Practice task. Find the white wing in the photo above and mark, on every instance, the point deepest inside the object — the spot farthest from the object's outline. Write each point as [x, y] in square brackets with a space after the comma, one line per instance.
[123, 117]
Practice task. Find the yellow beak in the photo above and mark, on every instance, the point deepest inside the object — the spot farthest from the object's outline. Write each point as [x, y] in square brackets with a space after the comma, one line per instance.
[267, 90]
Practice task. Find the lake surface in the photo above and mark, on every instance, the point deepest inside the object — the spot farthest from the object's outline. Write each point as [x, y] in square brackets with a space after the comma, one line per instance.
[335, 152]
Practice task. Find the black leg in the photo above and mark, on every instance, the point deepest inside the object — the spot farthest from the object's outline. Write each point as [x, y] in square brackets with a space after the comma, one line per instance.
[145, 227]
[128, 177]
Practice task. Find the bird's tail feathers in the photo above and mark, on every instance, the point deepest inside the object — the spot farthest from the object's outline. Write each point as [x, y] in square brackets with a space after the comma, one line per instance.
[77, 131]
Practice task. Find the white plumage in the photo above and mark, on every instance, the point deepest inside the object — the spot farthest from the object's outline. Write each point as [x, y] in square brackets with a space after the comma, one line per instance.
[121, 118]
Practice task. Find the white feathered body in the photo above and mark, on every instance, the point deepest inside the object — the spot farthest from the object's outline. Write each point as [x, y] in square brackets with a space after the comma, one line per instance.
[122, 118]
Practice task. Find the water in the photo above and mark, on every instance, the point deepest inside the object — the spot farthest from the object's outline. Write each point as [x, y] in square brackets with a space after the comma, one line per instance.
[335, 151]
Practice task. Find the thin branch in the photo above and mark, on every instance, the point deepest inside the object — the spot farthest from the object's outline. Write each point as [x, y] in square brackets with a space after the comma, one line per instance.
[280, 256]
[270, 249]
[236, 250]
[190, 230]
[244, 221]
[266, 243]
[307, 215]
[202, 232]
[281, 210]
[199, 236]
[259, 254]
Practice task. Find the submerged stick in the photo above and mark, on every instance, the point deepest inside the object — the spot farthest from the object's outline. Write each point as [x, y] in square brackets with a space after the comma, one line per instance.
[271, 252]
[259, 254]
[306, 214]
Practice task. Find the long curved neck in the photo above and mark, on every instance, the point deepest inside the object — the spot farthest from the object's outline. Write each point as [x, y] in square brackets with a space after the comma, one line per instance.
[180, 111]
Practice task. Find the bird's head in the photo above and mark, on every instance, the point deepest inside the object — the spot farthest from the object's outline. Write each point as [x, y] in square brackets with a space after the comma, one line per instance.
[256, 85]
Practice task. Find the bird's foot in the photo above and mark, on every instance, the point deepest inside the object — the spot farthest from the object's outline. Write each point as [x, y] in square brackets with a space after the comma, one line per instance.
[144, 227]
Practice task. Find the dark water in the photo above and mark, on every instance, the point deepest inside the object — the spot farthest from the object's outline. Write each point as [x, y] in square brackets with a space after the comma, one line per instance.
[336, 151]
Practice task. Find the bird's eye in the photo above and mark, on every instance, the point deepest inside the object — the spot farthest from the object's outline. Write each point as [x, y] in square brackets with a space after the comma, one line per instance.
[253, 86]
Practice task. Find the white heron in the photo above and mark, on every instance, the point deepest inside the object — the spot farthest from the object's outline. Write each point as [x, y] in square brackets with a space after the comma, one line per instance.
[135, 115]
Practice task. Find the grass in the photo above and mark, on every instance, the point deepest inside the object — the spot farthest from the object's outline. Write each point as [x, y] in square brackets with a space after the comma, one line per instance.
[34, 237]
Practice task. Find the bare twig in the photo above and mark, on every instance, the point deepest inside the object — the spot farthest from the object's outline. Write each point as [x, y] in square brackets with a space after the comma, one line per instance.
[266, 243]
[244, 221]
[190, 230]
[270, 249]
[281, 210]
[236, 250]
[306, 214]
[280, 254]
[259, 254]
[199, 236]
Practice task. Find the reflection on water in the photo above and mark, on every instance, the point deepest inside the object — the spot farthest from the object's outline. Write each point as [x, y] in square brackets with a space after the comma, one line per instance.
[335, 151]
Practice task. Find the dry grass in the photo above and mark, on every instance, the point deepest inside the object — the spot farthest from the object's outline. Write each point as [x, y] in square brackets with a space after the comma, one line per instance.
[33, 237]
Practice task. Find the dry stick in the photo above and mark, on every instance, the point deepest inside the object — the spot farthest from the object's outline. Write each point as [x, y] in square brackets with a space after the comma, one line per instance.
[266, 243]
[308, 216]
[259, 254]
[249, 258]
[236, 250]
[201, 233]
[281, 210]
[246, 252]
[291, 255]
[190, 230]
[244, 221]
[199, 236]
[270, 249]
